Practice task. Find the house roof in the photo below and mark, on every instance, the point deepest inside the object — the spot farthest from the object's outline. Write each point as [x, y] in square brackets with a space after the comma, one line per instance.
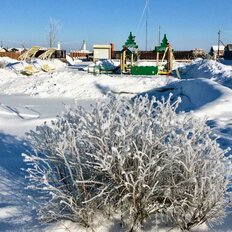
[3, 49]
[98, 46]
[229, 47]
[215, 47]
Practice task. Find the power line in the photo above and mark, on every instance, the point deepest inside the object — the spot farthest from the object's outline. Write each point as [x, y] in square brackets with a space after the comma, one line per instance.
[142, 17]
[147, 1]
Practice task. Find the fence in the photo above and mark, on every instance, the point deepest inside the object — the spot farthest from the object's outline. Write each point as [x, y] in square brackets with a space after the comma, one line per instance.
[74, 54]
[151, 55]
[59, 54]
[12, 55]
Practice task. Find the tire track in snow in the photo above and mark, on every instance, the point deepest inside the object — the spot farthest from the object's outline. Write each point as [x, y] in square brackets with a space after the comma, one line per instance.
[11, 109]
[16, 112]
[35, 111]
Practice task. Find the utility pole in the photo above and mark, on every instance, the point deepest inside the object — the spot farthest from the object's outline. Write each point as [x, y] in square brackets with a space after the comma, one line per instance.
[146, 21]
[219, 39]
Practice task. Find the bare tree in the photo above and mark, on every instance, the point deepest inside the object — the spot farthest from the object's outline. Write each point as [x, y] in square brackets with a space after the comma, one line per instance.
[53, 29]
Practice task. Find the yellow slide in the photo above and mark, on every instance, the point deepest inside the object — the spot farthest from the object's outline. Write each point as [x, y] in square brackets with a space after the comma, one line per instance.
[30, 53]
[45, 56]
[29, 70]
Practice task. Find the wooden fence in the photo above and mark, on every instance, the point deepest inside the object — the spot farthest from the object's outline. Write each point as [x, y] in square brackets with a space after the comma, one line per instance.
[78, 54]
[59, 54]
[12, 55]
[151, 55]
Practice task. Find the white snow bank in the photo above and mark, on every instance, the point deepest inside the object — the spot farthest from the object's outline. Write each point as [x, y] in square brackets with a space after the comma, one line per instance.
[70, 61]
[210, 69]
[17, 66]
[7, 60]
[56, 63]
[104, 64]
[113, 225]
[73, 84]
[19, 114]
[75, 61]
[205, 97]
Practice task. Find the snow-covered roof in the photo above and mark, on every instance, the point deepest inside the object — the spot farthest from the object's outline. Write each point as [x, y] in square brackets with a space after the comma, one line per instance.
[215, 47]
[98, 46]
[81, 51]
[3, 49]
[84, 51]
[16, 49]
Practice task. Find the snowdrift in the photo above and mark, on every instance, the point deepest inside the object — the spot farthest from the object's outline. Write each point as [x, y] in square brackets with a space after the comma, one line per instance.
[220, 72]
[17, 66]
[102, 64]
[201, 95]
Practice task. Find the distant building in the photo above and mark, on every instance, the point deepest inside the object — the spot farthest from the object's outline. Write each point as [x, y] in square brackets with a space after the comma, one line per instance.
[228, 52]
[102, 52]
[20, 50]
[3, 49]
[214, 51]
[12, 53]
[13, 50]
[198, 53]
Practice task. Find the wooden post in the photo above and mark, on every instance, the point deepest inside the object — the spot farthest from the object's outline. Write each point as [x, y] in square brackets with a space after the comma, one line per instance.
[157, 59]
[132, 59]
[169, 59]
[121, 64]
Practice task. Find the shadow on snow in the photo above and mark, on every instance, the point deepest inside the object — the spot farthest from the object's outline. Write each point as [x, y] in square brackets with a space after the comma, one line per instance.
[16, 209]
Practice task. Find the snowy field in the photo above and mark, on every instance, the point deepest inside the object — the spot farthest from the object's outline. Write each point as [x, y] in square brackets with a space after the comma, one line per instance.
[27, 101]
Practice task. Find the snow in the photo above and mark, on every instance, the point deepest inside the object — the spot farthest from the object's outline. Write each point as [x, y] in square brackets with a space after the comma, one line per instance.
[220, 72]
[27, 101]
[215, 47]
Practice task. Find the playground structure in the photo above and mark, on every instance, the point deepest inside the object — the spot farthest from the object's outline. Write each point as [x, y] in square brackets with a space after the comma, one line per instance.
[46, 56]
[165, 49]
[30, 69]
[129, 56]
[30, 53]
[129, 59]
[26, 56]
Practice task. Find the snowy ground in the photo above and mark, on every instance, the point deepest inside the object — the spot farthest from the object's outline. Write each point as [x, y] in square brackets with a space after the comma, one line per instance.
[27, 101]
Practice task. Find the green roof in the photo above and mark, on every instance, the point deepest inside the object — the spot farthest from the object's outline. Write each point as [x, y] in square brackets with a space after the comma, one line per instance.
[163, 45]
[130, 43]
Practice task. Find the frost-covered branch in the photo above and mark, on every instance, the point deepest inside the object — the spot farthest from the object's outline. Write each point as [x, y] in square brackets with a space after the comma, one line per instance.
[134, 158]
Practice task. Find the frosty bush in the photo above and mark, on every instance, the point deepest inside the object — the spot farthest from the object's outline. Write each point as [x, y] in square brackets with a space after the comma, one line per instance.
[133, 158]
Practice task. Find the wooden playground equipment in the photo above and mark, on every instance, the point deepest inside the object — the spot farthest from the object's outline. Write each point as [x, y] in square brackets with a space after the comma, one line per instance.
[30, 69]
[46, 56]
[166, 64]
[129, 56]
[29, 54]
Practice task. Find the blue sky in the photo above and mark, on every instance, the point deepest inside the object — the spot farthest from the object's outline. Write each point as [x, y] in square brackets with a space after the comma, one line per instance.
[189, 24]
